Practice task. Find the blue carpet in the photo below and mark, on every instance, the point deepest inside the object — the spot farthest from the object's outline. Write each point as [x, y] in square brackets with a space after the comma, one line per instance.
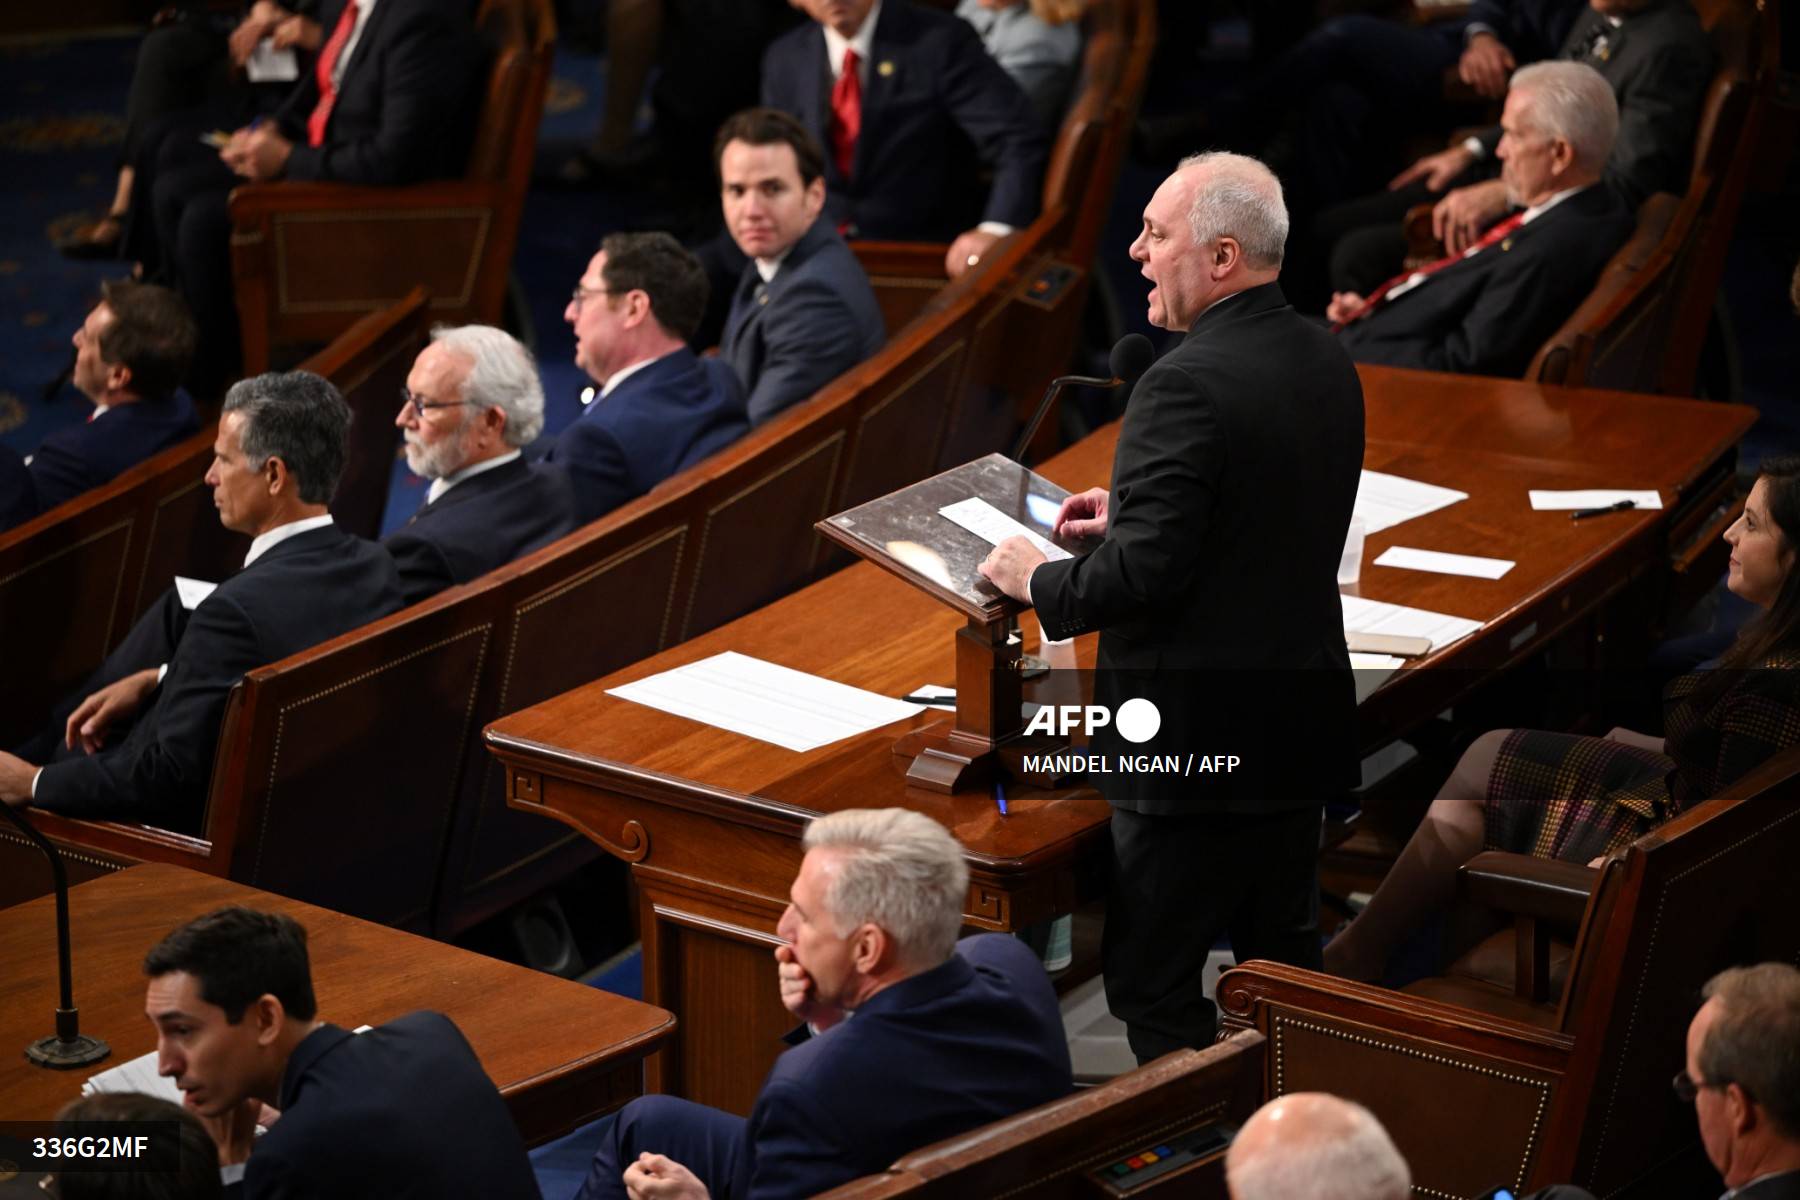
[560, 1166]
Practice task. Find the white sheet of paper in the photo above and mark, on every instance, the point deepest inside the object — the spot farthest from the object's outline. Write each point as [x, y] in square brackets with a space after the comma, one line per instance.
[266, 64]
[1383, 501]
[1373, 616]
[1550, 501]
[193, 591]
[993, 526]
[765, 701]
[138, 1075]
[1370, 671]
[1444, 564]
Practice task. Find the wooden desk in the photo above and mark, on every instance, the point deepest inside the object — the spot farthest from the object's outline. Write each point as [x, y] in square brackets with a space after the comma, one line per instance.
[560, 1052]
[710, 821]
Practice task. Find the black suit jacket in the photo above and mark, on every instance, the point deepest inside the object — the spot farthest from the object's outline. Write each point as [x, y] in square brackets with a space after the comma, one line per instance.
[301, 591]
[483, 522]
[1659, 62]
[80, 457]
[815, 320]
[406, 100]
[1531, 29]
[932, 91]
[1487, 315]
[400, 1111]
[1215, 589]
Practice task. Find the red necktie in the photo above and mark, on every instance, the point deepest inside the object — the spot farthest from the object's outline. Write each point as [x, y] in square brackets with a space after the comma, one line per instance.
[334, 47]
[846, 115]
[1376, 297]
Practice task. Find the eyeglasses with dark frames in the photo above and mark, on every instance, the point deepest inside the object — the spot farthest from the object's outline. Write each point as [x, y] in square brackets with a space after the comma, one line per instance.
[581, 295]
[420, 404]
[1689, 1091]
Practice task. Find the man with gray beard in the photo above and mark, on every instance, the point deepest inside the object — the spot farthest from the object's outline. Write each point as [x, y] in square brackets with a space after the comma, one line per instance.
[471, 401]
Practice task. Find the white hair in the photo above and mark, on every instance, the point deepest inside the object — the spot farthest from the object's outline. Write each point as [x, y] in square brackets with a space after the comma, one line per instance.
[1239, 198]
[900, 870]
[502, 376]
[1326, 1148]
[1571, 101]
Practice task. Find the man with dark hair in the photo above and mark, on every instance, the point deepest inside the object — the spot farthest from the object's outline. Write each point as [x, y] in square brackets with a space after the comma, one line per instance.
[140, 746]
[804, 312]
[659, 408]
[130, 356]
[1743, 1077]
[401, 1110]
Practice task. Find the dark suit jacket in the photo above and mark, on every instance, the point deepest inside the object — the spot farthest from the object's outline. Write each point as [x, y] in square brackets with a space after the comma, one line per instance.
[1487, 315]
[80, 457]
[664, 417]
[406, 101]
[965, 1043]
[1660, 64]
[1215, 589]
[401, 1110]
[815, 320]
[483, 522]
[1785, 1186]
[1531, 29]
[912, 166]
[301, 591]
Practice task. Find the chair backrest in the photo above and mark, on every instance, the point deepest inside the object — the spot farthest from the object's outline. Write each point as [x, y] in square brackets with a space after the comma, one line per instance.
[502, 26]
[1073, 1147]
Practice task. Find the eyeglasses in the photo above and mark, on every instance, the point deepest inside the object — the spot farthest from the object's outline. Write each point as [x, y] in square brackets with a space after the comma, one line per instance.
[580, 295]
[1689, 1091]
[420, 404]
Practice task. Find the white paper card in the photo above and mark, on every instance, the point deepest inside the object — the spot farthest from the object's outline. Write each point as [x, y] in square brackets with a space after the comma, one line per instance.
[1373, 616]
[266, 64]
[1383, 501]
[192, 591]
[1550, 501]
[765, 701]
[993, 526]
[1444, 564]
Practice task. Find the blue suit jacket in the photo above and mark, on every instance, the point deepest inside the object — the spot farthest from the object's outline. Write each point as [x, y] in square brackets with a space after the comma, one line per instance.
[664, 417]
[815, 320]
[965, 1043]
[932, 91]
[84, 456]
[301, 591]
[483, 522]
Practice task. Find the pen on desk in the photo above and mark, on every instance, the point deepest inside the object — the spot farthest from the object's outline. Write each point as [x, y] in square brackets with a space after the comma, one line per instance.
[1621, 506]
[917, 699]
[1000, 796]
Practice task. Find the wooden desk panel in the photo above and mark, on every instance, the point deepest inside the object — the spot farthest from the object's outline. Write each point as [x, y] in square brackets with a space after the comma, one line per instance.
[710, 820]
[560, 1052]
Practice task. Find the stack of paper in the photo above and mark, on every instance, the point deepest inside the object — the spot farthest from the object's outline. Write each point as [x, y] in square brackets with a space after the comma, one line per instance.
[762, 700]
[1373, 616]
[1383, 501]
[138, 1075]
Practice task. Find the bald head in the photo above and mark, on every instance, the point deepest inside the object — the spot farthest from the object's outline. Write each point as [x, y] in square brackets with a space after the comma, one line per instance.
[1318, 1147]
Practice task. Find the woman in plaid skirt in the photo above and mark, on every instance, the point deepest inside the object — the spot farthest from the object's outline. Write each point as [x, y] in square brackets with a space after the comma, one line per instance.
[1559, 795]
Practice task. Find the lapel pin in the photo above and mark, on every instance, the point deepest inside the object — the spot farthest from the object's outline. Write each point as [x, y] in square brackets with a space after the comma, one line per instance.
[1506, 244]
[884, 68]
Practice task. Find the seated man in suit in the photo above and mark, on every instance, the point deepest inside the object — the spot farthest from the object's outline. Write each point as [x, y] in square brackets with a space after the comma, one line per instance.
[1742, 1075]
[472, 400]
[1297, 1142]
[130, 355]
[909, 1036]
[1486, 310]
[400, 1110]
[278, 456]
[804, 312]
[899, 123]
[659, 408]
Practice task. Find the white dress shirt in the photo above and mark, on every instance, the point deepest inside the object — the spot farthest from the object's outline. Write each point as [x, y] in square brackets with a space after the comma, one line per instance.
[440, 486]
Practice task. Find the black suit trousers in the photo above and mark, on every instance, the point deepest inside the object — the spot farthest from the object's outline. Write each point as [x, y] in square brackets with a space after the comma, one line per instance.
[1178, 883]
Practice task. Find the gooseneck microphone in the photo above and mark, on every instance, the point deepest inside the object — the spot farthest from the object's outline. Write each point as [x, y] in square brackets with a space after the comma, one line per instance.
[68, 1046]
[1130, 358]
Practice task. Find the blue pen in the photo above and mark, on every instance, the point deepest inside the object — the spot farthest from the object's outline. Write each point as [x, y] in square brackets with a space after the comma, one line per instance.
[1000, 796]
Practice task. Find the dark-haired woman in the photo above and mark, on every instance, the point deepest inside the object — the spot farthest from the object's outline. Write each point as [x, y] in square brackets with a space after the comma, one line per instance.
[1577, 798]
[195, 1171]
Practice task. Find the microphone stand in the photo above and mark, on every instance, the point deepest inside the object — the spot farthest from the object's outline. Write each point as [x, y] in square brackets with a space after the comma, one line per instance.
[1050, 395]
[68, 1047]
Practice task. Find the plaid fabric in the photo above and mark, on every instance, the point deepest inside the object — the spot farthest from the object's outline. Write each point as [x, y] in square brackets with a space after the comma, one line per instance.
[1559, 795]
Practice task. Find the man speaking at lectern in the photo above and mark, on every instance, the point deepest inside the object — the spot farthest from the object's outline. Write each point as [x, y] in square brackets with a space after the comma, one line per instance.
[1216, 596]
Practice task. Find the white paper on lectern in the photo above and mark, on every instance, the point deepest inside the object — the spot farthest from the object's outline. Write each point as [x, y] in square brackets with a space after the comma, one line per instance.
[1471, 565]
[1544, 500]
[993, 526]
[766, 701]
[1373, 616]
[1383, 501]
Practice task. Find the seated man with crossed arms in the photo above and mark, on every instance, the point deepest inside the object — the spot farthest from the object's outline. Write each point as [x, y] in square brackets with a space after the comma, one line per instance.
[910, 1036]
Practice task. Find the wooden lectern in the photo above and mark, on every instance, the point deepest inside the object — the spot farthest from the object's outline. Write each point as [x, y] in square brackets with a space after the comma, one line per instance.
[906, 534]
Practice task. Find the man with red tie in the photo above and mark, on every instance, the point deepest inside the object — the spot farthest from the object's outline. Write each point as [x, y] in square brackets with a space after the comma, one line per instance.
[1486, 308]
[387, 99]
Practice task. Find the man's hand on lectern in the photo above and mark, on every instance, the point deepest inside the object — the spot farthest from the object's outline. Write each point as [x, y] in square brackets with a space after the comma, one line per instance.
[1083, 515]
[1009, 565]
